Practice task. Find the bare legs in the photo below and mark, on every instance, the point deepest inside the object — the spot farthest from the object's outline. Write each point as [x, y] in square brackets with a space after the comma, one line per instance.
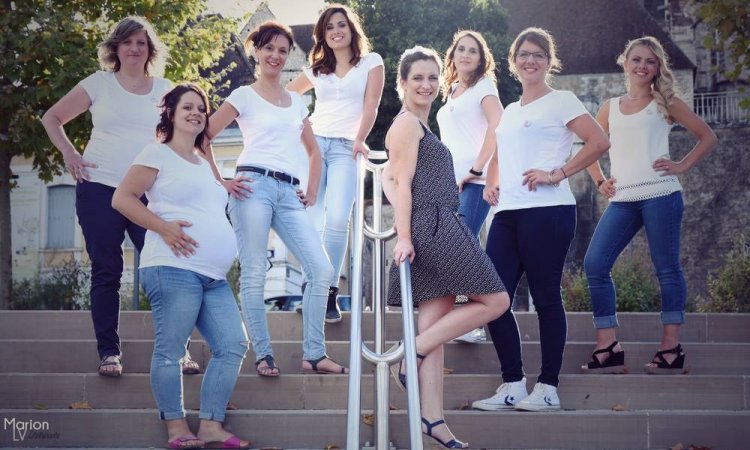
[438, 322]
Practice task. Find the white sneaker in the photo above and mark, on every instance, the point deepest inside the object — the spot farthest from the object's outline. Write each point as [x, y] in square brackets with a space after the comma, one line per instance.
[473, 337]
[542, 398]
[506, 396]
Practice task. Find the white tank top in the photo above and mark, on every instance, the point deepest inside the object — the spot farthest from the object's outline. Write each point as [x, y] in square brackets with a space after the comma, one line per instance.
[637, 141]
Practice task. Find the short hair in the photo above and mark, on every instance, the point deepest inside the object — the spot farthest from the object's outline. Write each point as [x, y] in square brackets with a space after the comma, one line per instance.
[322, 59]
[157, 51]
[408, 58]
[664, 88]
[541, 38]
[486, 67]
[265, 34]
[165, 127]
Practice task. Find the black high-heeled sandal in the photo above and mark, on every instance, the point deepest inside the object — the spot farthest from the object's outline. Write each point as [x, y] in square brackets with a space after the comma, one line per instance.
[453, 443]
[660, 366]
[614, 363]
[396, 370]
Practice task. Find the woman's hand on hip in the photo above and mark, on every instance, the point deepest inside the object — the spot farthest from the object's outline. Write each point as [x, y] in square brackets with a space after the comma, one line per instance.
[403, 249]
[667, 167]
[237, 188]
[468, 179]
[177, 240]
[76, 165]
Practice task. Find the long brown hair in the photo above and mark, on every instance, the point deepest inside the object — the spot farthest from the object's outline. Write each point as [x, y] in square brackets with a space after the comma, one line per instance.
[322, 59]
[486, 67]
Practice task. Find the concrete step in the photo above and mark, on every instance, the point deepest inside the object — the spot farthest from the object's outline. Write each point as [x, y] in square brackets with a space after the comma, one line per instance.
[288, 326]
[301, 392]
[79, 356]
[318, 429]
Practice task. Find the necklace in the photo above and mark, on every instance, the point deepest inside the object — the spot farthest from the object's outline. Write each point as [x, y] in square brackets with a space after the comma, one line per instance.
[630, 97]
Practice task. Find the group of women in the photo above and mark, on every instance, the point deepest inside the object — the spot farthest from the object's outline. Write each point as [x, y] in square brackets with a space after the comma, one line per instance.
[168, 194]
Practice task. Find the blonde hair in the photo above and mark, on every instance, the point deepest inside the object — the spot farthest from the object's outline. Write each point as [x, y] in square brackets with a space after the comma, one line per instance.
[408, 58]
[663, 88]
[157, 51]
[486, 67]
[541, 38]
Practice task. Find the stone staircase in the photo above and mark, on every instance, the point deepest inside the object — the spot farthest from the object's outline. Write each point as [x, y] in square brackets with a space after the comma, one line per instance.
[48, 362]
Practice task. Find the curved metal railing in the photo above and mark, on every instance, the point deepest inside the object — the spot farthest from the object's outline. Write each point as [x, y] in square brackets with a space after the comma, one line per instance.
[382, 359]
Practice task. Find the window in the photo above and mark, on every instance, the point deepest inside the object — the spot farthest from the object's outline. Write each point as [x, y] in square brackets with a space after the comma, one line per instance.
[61, 212]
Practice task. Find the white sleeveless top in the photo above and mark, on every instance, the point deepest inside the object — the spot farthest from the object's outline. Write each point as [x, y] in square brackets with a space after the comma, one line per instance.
[637, 141]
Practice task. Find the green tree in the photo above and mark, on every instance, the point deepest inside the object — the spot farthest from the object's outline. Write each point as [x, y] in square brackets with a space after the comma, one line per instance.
[731, 21]
[395, 25]
[48, 46]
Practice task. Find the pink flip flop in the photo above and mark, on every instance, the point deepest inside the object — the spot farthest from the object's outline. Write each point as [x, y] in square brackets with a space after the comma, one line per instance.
[178, 443]
[232, 442]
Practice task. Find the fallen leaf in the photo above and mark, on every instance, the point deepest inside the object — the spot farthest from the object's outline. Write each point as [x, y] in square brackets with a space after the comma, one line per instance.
[368, 419]
[687, 372]
[80, 405]
[271, 448]
[392, 408]
[698, 447]
[332, 447]
[625, 370]
[447, 370]
[40, 407]
[464, 406]
[231, 407]
[587, 396]
[677, 446]
[619, 407]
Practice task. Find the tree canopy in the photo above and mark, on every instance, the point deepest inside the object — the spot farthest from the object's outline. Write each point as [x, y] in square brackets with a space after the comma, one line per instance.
[48, 46]
[731, 21]
[395, 25]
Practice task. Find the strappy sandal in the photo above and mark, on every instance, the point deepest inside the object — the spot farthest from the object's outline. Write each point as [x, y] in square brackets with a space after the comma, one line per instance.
[315, 369]
[190, 367]
[453, 443]
[267, 371]
[116, 362]
[614, 363]
[396, 370]
[660, 366]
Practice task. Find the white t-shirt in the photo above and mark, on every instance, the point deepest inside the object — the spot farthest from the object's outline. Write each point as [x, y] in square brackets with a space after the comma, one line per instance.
[463, 125]
[271, 134]
[124, 123]
[535, 136]
[186, 191]
[339, 102]
[637, 141]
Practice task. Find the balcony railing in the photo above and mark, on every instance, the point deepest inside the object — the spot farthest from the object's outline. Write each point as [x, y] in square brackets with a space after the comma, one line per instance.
[721, 108]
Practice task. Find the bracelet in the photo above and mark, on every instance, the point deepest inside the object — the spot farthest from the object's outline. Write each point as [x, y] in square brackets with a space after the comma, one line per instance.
[599, 183]
[476, 173]
[549, 178]
[563, 171]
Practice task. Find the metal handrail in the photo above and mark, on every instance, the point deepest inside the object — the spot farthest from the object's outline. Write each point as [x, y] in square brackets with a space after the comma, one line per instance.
[379, 357]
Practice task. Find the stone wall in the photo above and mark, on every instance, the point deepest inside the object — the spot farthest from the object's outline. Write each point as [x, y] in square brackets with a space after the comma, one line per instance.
[716, 194]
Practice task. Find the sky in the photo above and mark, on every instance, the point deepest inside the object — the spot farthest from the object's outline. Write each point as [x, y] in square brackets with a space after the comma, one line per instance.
[288, 12]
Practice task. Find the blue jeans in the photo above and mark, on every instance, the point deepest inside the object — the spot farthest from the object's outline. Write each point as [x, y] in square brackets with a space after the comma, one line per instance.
[104, 230]
[181, 300]
[333, 208]
[661, 217]
[472, 207]
[274, 204]
[534, 241]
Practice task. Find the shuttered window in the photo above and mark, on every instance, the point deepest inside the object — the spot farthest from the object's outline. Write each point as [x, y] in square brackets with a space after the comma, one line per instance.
[61, 213]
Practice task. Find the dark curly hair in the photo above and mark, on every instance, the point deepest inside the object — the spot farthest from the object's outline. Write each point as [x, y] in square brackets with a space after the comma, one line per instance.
[165, 127]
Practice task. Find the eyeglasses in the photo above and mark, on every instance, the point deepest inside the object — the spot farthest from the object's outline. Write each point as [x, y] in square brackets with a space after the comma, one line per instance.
[538, 56]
